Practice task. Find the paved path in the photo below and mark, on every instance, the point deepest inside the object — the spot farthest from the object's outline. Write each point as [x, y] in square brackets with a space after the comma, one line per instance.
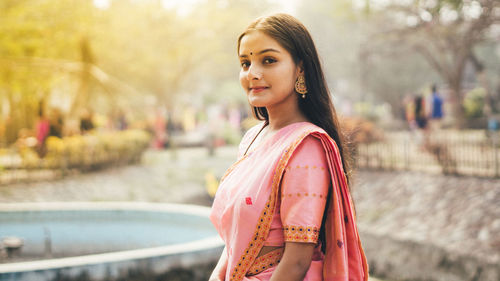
[163, 176]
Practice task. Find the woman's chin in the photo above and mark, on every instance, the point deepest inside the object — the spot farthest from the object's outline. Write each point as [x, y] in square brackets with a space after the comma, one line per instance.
[256, 102]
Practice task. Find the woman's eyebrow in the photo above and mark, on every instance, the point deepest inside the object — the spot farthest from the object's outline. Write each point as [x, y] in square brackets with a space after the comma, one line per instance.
[261, 52]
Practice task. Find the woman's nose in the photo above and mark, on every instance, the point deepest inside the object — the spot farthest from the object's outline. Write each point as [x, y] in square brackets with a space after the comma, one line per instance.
[254, 72]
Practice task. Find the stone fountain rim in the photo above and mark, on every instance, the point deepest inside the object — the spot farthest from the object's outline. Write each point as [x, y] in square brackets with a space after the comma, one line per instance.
[193, 246]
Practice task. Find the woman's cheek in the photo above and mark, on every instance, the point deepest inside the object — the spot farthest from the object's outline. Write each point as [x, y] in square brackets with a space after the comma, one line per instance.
[243, 81]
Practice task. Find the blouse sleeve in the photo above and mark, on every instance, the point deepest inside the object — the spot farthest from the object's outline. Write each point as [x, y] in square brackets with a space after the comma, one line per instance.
[304, 191]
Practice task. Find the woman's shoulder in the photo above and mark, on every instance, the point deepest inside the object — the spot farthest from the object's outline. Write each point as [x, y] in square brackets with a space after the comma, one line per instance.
[305, 131]
[311, 139]
[310, 147]
[304, 128]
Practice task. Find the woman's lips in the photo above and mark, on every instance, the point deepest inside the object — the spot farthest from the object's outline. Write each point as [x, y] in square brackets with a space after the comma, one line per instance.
[258, 89]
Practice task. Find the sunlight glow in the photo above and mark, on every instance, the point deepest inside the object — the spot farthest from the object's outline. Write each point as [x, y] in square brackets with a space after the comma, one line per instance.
[287, 6]
[102, 4]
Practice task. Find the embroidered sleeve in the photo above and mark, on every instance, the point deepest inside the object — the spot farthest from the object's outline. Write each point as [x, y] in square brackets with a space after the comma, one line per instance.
[304, 191]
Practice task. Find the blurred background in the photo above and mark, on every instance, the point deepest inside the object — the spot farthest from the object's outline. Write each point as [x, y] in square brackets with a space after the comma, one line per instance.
[139, 100]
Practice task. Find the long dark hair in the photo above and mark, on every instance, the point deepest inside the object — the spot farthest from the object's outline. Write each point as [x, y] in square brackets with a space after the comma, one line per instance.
[317, 106]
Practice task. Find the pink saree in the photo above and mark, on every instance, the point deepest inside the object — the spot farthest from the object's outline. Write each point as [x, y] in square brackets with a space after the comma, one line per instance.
[255, 190]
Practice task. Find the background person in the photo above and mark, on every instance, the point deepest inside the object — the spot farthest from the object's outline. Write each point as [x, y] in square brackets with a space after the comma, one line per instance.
[437, 109]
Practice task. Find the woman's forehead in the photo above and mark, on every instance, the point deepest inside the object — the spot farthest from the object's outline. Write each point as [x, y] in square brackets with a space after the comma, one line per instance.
[256, 41]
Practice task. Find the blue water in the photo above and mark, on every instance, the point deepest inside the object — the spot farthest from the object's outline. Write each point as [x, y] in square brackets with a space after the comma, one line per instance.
[84, 232]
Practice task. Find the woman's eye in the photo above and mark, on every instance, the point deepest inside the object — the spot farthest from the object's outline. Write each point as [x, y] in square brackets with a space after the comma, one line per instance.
[269, 61]
[245, 64]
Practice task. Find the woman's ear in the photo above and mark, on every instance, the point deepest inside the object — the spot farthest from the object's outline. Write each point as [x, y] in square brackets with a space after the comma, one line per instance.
[300, 68]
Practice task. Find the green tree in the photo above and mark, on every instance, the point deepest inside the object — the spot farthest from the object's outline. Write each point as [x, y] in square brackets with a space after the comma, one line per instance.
[444, 33]
[29, 30]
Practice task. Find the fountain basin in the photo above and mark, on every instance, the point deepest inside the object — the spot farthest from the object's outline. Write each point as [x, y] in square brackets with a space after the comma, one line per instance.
[106, 241]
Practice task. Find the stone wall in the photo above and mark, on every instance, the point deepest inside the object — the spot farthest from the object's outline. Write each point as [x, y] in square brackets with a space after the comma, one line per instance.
[417, 226]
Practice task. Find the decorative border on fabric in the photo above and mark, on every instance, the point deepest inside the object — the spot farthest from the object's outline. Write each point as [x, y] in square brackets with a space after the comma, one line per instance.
[264, 222]
[230, 169]
[314, 167]
[304, 194]
[266, 261]
[294, 233]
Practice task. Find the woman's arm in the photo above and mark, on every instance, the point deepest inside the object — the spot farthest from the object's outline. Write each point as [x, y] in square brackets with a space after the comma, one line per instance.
[219, 273]
[294, 263]
[305, 186]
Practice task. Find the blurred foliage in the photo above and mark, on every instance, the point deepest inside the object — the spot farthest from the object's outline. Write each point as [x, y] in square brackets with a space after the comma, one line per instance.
[133, 55]
[89, 151]
[137, 55]
[474, 103]
[358, 65]
[231, 135]
[445, 33]
[361, 131]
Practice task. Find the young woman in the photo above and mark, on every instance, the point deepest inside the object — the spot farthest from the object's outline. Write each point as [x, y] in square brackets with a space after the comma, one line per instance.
[284, 209]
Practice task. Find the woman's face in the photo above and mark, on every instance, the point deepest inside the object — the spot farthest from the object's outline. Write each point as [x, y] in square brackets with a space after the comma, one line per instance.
[268, 72]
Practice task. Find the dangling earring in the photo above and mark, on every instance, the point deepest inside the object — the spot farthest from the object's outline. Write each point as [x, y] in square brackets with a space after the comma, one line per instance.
[300, 86]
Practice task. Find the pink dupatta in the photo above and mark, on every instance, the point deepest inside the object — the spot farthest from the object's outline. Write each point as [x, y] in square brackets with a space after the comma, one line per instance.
[246, 198]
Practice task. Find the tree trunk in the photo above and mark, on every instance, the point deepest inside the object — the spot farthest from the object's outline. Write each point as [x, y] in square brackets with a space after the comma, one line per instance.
[457, 103]
[12, 125]
[83, 94]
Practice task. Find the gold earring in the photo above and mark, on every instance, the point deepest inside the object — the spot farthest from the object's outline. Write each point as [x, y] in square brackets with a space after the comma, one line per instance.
[300, 86]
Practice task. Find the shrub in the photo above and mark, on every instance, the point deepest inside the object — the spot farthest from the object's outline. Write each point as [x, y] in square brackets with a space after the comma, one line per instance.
[474, 103]
[89, 151]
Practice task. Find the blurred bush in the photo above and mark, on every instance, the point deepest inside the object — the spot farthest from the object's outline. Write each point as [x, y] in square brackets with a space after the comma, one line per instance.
[360, 130]
[474, 103]
[90, 151]
[231, 135]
